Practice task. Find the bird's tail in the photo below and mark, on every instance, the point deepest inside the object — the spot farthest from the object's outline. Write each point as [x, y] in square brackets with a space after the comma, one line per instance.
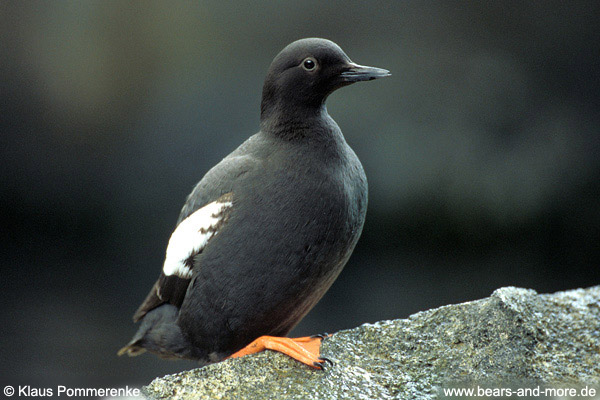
[132, 348]
[160, 334]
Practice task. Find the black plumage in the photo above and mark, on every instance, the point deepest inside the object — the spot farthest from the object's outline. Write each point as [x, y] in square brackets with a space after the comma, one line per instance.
[281, 215]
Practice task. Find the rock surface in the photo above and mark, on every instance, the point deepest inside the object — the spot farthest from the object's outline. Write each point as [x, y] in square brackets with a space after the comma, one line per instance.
[513, 336]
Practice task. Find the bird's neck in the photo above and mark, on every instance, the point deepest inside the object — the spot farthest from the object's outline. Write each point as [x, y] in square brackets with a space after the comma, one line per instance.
[298, 122]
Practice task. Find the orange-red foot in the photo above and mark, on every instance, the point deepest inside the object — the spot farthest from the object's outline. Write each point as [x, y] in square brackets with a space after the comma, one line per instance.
[306, 349]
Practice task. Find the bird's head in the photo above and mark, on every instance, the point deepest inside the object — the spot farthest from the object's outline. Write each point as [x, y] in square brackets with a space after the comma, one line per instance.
[305, 72]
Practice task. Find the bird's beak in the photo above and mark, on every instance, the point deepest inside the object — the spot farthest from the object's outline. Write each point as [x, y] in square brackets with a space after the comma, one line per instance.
[356, 73]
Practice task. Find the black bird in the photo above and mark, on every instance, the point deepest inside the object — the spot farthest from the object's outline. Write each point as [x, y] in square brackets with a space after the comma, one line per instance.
[267, 230]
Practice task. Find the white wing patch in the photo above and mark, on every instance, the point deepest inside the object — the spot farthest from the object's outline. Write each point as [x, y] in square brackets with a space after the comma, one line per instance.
[192, 235]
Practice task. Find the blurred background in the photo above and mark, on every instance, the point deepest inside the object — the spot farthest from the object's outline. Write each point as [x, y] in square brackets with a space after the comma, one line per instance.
[482, 154]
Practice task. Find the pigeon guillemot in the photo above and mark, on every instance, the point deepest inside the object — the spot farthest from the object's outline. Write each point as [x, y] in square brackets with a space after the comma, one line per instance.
[267, 230]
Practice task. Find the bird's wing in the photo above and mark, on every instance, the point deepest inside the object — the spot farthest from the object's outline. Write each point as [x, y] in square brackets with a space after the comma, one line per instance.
[189, 239]
[199, 220]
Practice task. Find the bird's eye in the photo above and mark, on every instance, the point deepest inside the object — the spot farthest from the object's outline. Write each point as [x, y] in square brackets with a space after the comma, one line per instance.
[309, 64]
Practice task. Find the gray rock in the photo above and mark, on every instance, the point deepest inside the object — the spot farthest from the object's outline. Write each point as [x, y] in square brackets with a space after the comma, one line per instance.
[513, 338]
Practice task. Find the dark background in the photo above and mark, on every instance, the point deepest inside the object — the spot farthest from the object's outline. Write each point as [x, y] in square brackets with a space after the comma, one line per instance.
[482, 153]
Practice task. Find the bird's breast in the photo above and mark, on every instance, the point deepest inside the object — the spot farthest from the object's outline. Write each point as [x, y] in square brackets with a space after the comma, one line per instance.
[311, 216]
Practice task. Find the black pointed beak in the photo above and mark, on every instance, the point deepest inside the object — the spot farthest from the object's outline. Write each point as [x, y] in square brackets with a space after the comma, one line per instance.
[356, 73]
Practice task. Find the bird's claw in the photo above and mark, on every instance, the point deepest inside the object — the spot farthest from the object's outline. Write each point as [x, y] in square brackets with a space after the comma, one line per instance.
[326, 360]
[321, 335]
[322, 362]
